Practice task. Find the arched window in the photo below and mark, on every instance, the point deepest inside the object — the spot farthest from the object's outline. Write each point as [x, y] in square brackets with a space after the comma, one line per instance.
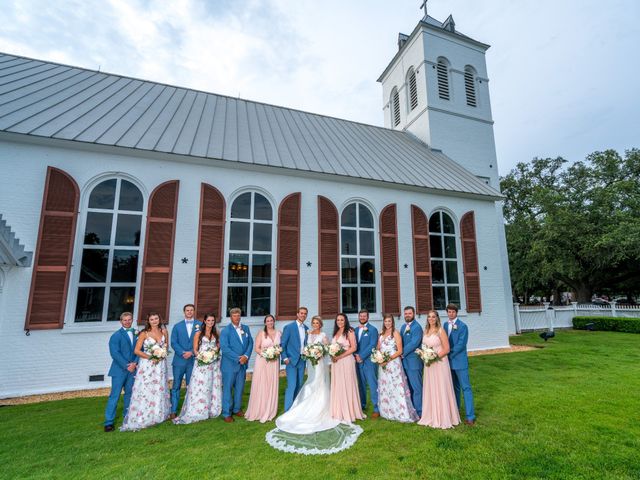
[108, 278]
[470, 85]
[395, 107]
[249, 272]
[358, 261]
[444, 261]
[442, 69]
[413, 89]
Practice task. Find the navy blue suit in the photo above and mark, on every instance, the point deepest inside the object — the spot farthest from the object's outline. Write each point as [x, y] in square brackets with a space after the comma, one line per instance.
[413, 366]
[367, 370]
[233, 373]
[121, 351]
[459, 363]
[182, 342]
[291, 347]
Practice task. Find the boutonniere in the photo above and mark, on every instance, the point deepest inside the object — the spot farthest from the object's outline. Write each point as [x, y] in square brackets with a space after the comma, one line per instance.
[407, 330]
[197, 327]
[136, 333]
[455, 327]
[242, 332]
[365, 329]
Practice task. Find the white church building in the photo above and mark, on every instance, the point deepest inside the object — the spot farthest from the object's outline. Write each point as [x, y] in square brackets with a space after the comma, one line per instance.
[120, 194]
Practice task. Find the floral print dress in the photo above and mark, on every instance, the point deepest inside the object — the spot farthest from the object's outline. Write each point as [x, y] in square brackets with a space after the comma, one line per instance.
[394, 397]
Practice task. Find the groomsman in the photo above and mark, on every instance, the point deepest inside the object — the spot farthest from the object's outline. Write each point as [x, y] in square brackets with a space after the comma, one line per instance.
[123, 368]
[411, 333]
[458, 333]
[182, 343]
[236, 345]
[367, 338]
[294, 338]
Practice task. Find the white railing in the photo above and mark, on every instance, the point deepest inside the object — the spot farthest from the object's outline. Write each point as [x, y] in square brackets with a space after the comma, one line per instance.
[546, 316]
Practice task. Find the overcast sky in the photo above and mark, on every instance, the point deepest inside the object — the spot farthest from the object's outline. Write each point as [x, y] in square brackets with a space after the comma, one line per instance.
[563, 74]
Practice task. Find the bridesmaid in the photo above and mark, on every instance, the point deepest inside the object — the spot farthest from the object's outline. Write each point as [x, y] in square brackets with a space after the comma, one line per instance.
[150, 398]
[263, 399]
[345, 399]
[394, 396]
[204, 393]
[439, 407]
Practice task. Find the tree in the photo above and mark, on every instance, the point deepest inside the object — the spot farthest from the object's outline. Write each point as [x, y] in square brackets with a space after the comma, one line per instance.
[576, 226]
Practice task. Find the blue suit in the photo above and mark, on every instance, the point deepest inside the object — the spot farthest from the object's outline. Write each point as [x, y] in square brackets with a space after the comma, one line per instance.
[291, 347]
[121, 351]
[181, 342]
[234, 374]
[367, 370]
[413, 366]
[459, 364]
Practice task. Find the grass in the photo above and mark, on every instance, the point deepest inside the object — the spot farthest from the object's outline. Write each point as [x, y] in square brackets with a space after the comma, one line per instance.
[568, 410]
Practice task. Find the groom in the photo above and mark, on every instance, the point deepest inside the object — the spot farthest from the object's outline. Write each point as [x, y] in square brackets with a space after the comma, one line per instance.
[294, 338]
[411, 334]
[458, 333]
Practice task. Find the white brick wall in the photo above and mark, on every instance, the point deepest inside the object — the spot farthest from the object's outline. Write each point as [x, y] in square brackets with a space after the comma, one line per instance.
[58, 360]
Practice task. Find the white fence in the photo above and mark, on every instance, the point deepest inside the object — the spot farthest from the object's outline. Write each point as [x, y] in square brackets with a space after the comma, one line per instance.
[547, 317]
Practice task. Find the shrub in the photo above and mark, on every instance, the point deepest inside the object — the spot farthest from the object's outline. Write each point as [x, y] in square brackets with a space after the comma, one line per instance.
[612, 324]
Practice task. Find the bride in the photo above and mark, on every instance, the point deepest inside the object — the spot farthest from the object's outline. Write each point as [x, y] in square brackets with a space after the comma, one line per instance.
[310, 411]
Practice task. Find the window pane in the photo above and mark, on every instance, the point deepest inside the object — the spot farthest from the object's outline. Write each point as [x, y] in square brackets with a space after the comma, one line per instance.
[103, 195]
[128, 229]
[89, 304]
[437, 271]
[368, 298]
[450, 247]
[435, 244]
[261, 208]
[241, 207]
[261, 269]
[434, 223]
[367, 271]
[130, 197]
[237, 298]
[260, 300]
[366, 243]
[348, 239]
[94, 266]
[452, 272]
[98, 229]
[454, 295]
[439, 300]
[366, 219]
[349, 216]
[447, 224]
[239, 236]
[262, 237]
[349, 270]
[350, 299]
[121, 299]
[125, 266]
[238, 268]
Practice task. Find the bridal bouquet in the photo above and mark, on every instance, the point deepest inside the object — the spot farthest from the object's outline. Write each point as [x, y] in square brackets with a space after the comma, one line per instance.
[155, 351]
[206, 356]
[336, 349]
[271, 353]
[428, 355]
[314, 352]
[379, 357]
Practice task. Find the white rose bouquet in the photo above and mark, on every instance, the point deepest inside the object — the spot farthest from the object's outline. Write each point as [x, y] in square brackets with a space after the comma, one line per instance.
[155, 351]
[206, 356]
[314, 352]
[427, 354]
[379, 357]
[271, 354]
[336, 349]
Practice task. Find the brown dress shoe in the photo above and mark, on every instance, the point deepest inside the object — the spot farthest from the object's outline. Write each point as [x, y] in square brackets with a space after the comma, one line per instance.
[471, 423]
[172, 416]
[375, 415]
[228, 419]
[239, 413]
[109, 428]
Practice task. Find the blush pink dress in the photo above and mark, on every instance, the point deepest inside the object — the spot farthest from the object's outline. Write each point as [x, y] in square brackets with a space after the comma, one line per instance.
[345, 399]
[263, 399]
[439, 408]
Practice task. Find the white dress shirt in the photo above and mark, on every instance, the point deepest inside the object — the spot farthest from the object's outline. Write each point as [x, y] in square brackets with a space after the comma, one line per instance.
[451, 324]
[189, 326]
[240, 332]
[130, 334]
[301, 334]
[361, 330]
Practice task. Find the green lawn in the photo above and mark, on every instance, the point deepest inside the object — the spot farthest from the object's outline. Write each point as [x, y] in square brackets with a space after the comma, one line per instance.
[568, 410]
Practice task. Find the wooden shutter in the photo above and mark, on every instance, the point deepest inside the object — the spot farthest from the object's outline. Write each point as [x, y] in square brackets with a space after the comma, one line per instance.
[210, 262]
[328, 258]
[470, 262]
[54, 249]
[158, 251]
[389, 260]
[421, 260]
[288, 274]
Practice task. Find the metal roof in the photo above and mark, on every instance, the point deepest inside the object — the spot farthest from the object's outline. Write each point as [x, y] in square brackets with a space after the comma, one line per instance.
[45, 99]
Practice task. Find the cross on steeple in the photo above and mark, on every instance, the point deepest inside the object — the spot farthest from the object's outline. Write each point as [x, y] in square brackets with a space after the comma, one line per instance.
[424, 6]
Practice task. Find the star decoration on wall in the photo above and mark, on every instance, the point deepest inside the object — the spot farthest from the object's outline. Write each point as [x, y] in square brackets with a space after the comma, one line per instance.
[185, 260]
[406, 265]
[308, 264]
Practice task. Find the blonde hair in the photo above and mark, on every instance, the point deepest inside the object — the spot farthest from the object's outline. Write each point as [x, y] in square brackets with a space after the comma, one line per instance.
[318, 318]
[427, 327]
[235, 310]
